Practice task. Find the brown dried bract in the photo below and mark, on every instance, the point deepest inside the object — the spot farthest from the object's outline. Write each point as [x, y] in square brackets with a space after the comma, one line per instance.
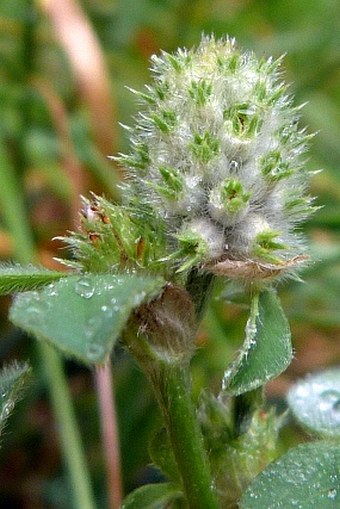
[250, 270]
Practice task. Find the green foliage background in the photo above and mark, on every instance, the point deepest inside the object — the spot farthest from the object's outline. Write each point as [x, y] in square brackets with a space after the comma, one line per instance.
[58, 122]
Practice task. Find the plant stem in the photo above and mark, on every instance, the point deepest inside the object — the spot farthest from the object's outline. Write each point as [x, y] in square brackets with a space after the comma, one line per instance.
[172, 385]
[68, 431]
[161, 335]
[110, 438]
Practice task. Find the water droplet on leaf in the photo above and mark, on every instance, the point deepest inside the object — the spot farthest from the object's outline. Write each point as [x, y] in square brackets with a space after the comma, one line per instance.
[35, 313]
[94, 352]
[107, 311]
[332, 493]
[51, 290]
[92, 326]
[330, 400]
[84, 288]
[138, 299]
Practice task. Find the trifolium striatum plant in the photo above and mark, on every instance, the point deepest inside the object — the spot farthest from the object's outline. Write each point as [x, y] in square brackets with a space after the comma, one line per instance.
[215, 185]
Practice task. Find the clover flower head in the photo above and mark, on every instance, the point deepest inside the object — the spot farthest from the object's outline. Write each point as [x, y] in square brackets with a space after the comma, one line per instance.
[216, 176]
[217, 151]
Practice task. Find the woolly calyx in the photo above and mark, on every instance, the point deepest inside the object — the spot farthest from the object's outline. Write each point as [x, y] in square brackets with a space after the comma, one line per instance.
[163, 329]
[216, 153]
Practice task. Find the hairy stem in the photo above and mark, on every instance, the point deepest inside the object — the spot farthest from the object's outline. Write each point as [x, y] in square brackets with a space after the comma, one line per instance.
[172, 386]
[110, 438]
[161, 335]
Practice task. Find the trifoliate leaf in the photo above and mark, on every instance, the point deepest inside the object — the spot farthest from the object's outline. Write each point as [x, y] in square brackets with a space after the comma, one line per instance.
[83, 315]
[307, 477]
[315, 402]
[267, 350]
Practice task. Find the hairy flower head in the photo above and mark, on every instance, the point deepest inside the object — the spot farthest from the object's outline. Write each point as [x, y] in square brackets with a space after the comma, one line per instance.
[216, 178]
[217, 152]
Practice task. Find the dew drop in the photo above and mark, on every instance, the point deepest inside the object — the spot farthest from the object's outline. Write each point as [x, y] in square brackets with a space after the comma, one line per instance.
[331, 397]
[84, 288]
[35, 312]
[51, 290]
[107, 311]
[332, 493]
[92, 326]
[138, 299]
[94, 352]
[32, 310]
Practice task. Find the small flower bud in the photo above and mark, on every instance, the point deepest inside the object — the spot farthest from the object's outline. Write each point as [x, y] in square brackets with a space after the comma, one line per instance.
[199, 240]
[228, 202]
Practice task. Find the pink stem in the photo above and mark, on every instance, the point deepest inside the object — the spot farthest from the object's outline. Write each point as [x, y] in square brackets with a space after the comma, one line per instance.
[110, 440]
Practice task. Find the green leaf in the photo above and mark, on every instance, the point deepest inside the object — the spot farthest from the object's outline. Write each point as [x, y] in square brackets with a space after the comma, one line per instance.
[83, 315]
[12, 381]
[19, 278]
[267, 350]
[307, 477]
[315, 402]
[152, 496]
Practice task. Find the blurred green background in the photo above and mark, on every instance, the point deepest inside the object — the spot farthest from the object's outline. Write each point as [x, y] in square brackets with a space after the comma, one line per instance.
[63, 70]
